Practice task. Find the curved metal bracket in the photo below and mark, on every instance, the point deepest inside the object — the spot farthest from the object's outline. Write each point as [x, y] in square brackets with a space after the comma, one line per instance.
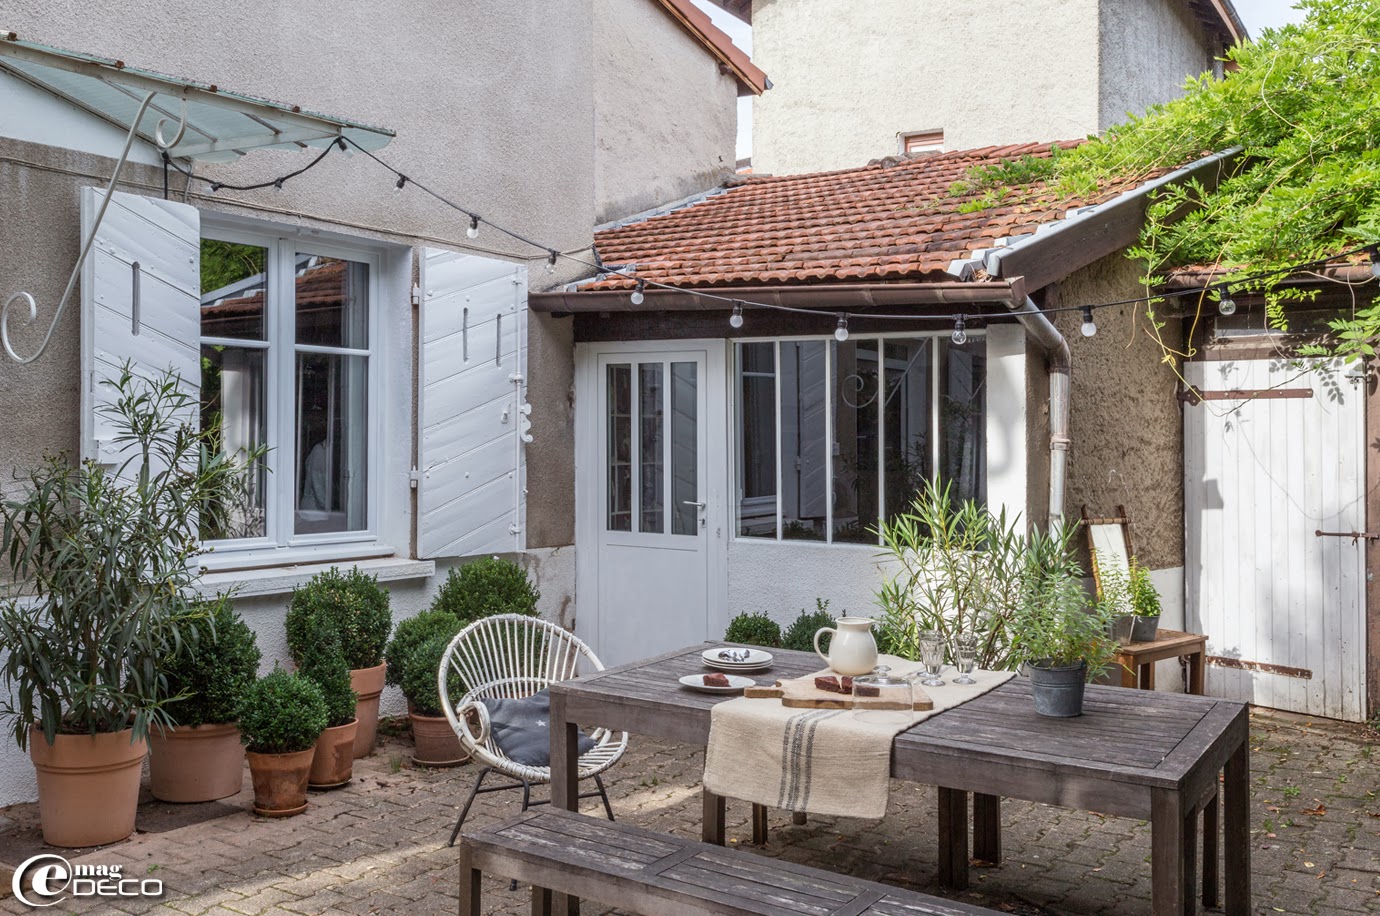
[164, 144]
[86, 242]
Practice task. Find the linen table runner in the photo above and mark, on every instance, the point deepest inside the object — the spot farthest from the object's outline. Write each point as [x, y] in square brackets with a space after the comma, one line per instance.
[822, 761]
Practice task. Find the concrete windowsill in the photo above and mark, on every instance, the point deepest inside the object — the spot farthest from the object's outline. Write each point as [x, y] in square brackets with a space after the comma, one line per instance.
[279, 580]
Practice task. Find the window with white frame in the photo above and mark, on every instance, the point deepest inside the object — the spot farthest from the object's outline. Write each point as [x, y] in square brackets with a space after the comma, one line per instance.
[835, 437]
[286, 351]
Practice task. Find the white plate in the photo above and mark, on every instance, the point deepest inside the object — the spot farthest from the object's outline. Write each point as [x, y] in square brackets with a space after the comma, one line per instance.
[735, 683]
[742, 669]
[756, 658]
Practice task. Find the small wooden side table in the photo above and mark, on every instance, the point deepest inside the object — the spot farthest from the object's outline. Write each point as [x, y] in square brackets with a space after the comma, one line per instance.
[1138, 658]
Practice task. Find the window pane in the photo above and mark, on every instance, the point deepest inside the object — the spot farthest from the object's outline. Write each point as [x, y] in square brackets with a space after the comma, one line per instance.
[233, 285]
[651, 455]
[906, 421]
[232, 395]
[963, 408]
[685, 449]
[332, 459]
[757, 440]
[855, 407]
[332, 298]
[619, 448]
[804, 477]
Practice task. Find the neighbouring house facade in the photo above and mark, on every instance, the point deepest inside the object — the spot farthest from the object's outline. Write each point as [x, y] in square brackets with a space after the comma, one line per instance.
[854, 82]
[726, 466]
[416, 412]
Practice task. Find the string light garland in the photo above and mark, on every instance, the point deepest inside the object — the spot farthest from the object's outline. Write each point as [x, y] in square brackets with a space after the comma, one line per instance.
[1226, 305]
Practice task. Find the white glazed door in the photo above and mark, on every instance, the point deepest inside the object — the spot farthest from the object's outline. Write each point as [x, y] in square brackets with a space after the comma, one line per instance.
[650, 511]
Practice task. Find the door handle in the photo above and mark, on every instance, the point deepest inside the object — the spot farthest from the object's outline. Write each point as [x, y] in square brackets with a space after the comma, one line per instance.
[691, 502]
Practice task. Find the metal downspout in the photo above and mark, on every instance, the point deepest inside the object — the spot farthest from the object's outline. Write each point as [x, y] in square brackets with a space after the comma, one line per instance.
[1038, 326]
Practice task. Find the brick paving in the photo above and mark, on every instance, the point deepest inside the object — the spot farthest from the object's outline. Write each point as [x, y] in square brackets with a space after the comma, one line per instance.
[378, 846]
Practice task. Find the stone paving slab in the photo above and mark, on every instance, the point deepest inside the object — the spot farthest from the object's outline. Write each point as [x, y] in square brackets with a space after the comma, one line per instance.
[378, 845]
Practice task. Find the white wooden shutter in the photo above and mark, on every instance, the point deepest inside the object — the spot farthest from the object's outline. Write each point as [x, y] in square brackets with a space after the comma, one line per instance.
[472, 495]
[140, 303]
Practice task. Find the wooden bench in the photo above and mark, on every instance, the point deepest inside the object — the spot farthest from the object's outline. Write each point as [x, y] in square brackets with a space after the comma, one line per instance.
[559, 852]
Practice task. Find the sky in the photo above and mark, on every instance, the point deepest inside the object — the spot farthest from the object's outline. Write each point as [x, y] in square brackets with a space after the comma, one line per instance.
[1257, 14]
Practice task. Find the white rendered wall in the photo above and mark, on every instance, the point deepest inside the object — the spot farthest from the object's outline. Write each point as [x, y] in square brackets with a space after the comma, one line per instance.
[1007, 465]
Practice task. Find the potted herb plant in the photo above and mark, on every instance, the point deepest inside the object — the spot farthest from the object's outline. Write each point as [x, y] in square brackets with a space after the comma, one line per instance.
[1063, 640]
[104, 558]
[201, 758]
[356, 608]
[414, 671]
[1145, 603]
[281, 717]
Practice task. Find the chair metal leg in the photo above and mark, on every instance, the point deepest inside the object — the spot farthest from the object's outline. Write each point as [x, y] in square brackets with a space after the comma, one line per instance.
[604, 795]
[526, 795]
[465, 811]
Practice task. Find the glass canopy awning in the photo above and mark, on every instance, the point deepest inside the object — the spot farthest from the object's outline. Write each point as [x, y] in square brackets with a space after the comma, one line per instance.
[207, 123]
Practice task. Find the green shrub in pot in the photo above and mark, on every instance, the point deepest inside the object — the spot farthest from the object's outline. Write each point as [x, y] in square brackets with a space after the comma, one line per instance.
[352, 604]
[755, 630]
[282, 713]
[419, 676]
[411, 633]
[485, 587]
[800, 635]
[323, 662]
[212, 674]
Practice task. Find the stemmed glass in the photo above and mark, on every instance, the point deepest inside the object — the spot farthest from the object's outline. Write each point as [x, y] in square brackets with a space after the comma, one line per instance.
[965, 658]
[932, 655]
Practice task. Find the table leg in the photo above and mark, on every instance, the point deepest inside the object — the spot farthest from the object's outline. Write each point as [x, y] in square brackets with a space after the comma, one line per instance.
[712, 830]
[987, 828]
[541, 902]
[1236, 839]
[1212, 829]
[953, 838]
[1197, 673]
[470, 885]
[565, 783]
[1173, 854]
[759, 824]
[1129, 671]
[1147, 676]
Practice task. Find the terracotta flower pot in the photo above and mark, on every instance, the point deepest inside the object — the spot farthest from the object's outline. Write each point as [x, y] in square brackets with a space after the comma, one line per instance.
[88, 786]
[280, 782]
[368, 683]
[333, 762]
[435, 743]
[196, 764]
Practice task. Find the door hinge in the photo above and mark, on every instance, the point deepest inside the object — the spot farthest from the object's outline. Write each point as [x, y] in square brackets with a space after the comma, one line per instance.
[414, 477]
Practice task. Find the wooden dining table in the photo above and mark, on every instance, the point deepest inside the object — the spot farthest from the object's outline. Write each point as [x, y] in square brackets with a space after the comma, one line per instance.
[1170, 759]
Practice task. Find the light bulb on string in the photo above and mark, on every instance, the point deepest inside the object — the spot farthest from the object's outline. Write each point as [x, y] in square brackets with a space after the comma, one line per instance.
[736, 319]
[1226, 305]
[551, 260]
[960, 334]
[841, 332]
[473, 231]
[1089, 327]
[637, 296]
[278, 183]
[402, 180]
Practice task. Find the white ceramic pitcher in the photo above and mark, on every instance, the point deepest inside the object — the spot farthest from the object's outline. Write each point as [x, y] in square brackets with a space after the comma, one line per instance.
[852, 651]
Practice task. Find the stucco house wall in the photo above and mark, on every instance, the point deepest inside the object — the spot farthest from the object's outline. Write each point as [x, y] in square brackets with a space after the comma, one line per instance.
[492, 105]
[849, 77]
[645, 65]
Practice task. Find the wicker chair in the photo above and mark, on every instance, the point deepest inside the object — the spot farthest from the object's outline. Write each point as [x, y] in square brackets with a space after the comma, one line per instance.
[510, 656]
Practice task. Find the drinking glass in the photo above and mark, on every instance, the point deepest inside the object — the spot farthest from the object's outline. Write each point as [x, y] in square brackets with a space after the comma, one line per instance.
[932, 656]
[965, 658]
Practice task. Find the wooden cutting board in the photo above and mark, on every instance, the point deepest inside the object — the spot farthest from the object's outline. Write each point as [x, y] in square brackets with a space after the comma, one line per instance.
[801, 693]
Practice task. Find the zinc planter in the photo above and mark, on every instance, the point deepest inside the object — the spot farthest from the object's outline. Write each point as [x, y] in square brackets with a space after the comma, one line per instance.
[435, 743]
[198, 764]
[1058, 691]
[368, 683]
[333, 760]
[88, 786]
[1146, 629]
[280, 782]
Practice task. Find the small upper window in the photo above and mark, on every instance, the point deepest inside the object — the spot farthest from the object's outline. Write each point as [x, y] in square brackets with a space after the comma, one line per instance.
[922, 141]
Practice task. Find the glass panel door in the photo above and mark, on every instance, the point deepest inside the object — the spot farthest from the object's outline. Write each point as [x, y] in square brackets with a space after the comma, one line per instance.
[658, 455]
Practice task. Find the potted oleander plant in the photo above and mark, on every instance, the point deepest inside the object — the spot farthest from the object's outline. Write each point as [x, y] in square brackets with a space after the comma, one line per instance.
[281, 717]
[413, 659]
[104, 558]
[201, 757]
[356, 608]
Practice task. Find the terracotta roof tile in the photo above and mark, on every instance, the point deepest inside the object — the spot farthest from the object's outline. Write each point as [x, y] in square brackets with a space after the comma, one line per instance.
[888, 220]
